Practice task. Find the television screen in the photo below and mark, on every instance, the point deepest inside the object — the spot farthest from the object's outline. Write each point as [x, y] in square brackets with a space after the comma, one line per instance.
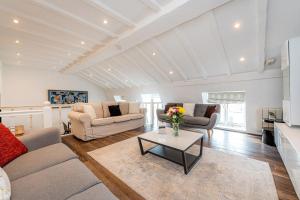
[67, 96]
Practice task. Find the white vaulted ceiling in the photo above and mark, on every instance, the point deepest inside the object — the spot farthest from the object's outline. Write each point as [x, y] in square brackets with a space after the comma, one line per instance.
[132, 43]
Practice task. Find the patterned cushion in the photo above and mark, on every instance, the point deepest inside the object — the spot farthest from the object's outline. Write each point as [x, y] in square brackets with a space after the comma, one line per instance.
[10, 146]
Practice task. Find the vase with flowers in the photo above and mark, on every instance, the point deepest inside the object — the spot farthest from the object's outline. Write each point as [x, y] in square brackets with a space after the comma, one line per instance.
[175, 114]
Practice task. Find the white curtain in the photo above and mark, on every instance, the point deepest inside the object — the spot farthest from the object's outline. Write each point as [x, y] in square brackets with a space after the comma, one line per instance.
[226, 97]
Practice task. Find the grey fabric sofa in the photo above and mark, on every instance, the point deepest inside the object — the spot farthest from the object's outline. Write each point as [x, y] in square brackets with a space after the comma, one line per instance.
[51, 171]
[198, 120]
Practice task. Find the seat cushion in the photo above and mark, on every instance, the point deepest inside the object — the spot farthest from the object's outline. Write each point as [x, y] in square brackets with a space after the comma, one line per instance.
[196, 120]
[97, 192]
[135, 116]
[37, 160]
[102, 121]
[10, 147]
[54, 183]
[121, 118]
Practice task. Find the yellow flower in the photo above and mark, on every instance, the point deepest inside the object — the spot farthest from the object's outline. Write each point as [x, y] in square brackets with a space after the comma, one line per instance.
[181, 110]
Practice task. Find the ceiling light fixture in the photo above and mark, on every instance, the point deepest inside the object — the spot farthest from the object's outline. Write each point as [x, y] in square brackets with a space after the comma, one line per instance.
[109, 69]
[171, 72]
[237, 25]
[82, 42]
[18, 54]
[17, 41]
[16, 21]
[242, 59]
[153, 54]
[105, 21]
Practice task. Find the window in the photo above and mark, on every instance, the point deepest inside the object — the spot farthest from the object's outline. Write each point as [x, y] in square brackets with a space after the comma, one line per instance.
[118, 98]
[151, 102]
[233, 108]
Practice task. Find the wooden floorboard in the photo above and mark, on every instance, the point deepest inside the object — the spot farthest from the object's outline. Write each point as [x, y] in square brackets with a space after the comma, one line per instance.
[230, 142]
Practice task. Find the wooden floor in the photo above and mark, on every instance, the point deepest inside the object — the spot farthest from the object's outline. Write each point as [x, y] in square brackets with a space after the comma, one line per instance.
[230, 142]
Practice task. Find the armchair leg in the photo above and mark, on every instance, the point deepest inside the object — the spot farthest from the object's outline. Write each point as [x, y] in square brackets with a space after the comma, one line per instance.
[209, 133]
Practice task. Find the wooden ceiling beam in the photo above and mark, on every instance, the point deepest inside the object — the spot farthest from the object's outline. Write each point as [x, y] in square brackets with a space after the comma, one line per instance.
[115, 84]
[170, 60]
[111, 75]
[109, 11]
[74, 17]
[188, 47]
[90, 77]
[152, 4]
[163, 74]
[47, 24]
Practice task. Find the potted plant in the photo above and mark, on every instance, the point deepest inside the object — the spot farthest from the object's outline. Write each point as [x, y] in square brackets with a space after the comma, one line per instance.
[176, 114]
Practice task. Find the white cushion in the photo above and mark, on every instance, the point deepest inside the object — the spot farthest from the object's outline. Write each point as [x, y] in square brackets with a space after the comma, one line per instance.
[134, 108]
[189, 109]
[89, 109]
[102, 121]
[5, 188]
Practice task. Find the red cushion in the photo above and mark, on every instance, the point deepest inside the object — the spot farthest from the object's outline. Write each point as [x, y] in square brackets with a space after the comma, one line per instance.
[209, 111]
[10, 146]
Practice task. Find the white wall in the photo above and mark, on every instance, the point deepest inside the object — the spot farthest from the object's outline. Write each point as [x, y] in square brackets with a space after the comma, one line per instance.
[259, 93]
[29, 86]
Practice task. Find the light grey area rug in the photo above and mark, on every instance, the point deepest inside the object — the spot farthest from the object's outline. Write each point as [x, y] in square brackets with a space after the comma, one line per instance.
[217, 175]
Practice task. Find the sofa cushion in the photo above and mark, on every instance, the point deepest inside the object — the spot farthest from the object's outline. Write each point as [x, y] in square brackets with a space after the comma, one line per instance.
[89, 109]
[105, 105]
[98, 109]
[200, 110]
[134, 108]
[37, 160]
[114, 110]
[97, 192]
[124, 107]
[189, 109]
[135, 116]
[54, 183]
[196, 120]
[102, 121]
[210, 110]
[10, 146]
[121, 118]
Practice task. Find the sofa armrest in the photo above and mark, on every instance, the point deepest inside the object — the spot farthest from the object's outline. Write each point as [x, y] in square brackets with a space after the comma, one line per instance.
[82, 118]
[214, 119]
[40, 138]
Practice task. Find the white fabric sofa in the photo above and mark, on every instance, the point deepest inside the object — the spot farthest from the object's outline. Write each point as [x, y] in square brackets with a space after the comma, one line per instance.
[84, 127]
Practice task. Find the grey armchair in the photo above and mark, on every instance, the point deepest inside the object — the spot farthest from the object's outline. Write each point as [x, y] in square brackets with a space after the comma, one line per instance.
[198, 120]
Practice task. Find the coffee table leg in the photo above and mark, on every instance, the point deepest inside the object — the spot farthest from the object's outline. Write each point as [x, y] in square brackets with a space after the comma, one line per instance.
[201, 147]
[184, 162]
[141, 146]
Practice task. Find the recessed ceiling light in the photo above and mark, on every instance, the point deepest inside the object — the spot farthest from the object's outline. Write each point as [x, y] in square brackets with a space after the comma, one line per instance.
[153, 54]
[17, 41]
[16, 21]
[105, 21]
[18, 54]
[237, 25]
[109, 69]
[171, 72]
[242, 59]
[82, 42]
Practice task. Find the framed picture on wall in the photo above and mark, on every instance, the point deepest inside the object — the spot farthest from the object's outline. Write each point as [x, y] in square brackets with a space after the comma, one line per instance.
[67, 96]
